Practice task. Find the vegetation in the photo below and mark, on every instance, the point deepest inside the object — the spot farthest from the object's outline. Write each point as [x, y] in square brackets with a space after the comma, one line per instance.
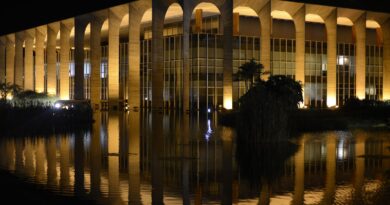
[250, 73]
[31, 112]
[264, 112]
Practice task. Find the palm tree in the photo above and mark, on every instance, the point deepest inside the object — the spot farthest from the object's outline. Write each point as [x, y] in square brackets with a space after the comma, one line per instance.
[250, 72]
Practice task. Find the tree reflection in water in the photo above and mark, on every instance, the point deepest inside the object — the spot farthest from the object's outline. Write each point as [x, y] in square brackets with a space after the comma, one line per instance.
[262, 164]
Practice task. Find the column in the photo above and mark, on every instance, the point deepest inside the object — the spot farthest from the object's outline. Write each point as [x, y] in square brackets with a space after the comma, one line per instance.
[158, 16]
[51, 53]
[227, 20]
[187, 13]
[134, 56]
[19, 40]
[2, 59]
[79, 157]
[134, 158]
[265, 38]
[40, 159]
[236, 24]
[157, 166]
[29, 59]
[51, 161]
[360, 30]
[359, 165]
[40, 34]
[299, 21]
[299, 180]
[330, 181]
[65, 28]
[96, 56]
[96, 155]
[64, 163]
[227, 164]
[331, 33]
[80, 26]
[198, 20]
[386, 60]
[29, 158]
[113, 59]
[10, 58]
[113, 155]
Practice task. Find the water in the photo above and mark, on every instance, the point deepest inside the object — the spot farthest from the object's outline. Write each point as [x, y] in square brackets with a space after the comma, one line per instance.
[137, 158]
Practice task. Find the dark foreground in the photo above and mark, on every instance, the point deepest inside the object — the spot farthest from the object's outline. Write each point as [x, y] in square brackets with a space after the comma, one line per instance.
[15, 191]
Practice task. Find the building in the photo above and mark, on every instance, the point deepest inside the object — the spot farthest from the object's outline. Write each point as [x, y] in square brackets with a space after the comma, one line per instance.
[184, 54]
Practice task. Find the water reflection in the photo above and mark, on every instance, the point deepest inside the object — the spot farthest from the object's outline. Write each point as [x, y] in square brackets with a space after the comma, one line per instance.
[140, 158]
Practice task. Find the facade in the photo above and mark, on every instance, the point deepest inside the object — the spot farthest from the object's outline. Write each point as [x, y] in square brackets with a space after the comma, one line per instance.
[184, 54]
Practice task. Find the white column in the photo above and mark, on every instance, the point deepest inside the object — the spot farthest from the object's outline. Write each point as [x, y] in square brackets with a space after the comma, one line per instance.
[113, 59]
[227, 20]
[113, 155]
[80, 26]
[299, 178]
[158, 17]
[95, 38]
[19, 39]
[40, 34]
[10, 58]
[299, 21]
[51, 53]
[331, 31]
[134, 158]
[360, 30]
[136, 12]
[65, 28]
[265, 38]
[330, 181]
[29, 59]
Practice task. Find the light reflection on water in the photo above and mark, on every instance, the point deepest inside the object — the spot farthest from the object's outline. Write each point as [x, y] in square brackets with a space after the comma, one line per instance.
[137, 158]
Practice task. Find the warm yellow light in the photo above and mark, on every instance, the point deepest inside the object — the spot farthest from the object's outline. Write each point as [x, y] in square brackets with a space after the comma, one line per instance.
[10, 97]
[331, 101]
[227, 103]
[51, 92]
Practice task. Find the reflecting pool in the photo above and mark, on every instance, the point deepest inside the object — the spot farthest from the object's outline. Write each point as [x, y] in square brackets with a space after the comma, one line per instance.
[140, 158]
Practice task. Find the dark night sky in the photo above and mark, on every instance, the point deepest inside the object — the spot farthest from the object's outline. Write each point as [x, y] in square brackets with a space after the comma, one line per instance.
[17, 15]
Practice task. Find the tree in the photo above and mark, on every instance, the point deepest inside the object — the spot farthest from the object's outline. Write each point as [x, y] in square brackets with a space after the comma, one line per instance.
[264, 111]
[8, 88]
[250, 72]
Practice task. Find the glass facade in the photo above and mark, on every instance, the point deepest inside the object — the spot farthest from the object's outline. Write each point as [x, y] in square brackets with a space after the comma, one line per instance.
[315, 73]
[345, 72]
[374, 72]
[283, 57]
[206, 67]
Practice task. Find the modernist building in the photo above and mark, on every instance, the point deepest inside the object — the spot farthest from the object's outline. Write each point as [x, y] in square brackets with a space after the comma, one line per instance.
[184, 54]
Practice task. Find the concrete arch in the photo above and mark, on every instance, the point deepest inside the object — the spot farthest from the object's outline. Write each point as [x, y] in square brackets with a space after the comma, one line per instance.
[244, 11]
[172, 73]
[138, 10]
[95, 38]
[115, 17]
[263, 10]
[373, 24]
[314, 18]
[345, 21]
